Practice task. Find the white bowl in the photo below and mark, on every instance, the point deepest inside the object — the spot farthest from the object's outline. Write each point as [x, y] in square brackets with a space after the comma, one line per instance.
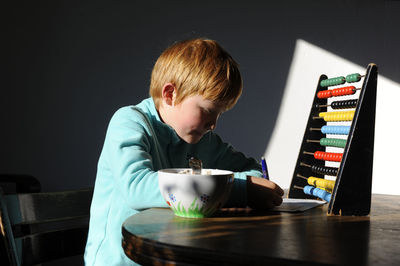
[195, 196]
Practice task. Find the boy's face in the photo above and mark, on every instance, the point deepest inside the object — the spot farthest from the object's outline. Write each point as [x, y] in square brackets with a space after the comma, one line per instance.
[194, 117]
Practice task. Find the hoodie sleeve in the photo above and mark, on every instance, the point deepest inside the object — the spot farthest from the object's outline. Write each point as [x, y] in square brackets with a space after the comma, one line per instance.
[127, 147]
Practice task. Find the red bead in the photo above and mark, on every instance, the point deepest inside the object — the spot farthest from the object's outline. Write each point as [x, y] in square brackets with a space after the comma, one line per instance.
[344, 91]
[319, 155]
[324, 94]
[328, 156]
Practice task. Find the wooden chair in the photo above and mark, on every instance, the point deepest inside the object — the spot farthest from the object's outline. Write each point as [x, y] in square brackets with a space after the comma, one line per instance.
[41, 227]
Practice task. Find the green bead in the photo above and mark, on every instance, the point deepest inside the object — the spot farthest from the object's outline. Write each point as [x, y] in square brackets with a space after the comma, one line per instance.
[353, 78]
[332, 81]
[340, 143]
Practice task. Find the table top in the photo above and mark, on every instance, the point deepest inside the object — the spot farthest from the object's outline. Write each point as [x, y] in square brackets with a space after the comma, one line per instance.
[244, 236]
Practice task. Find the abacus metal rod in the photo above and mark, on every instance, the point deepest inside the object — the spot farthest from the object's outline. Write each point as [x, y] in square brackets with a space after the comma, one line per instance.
[298, 175]
[313, 140]
[361, 76]
[304, 164]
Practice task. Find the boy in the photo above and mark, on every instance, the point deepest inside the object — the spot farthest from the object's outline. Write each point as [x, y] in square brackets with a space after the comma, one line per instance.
[192, 83]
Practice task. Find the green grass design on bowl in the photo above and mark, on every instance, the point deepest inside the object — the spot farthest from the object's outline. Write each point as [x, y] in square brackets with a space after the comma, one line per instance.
[193, 211]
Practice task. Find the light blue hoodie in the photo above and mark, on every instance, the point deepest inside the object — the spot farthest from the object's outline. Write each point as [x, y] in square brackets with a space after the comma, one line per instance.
[137, 145]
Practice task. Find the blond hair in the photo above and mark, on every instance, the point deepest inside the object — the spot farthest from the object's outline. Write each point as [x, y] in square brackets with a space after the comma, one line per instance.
[197, 67]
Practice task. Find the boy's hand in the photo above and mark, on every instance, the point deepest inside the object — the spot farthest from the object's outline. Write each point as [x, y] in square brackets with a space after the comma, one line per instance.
[262, 193]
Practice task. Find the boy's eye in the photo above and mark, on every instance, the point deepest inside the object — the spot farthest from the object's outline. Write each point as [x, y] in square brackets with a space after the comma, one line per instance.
[209, 111]
[212, 112]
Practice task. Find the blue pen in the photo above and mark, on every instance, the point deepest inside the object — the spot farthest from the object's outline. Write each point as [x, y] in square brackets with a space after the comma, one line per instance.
[264, 168]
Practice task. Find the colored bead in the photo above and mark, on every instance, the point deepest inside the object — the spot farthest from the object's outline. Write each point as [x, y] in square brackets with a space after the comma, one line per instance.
[349, 90]
[338, 116]
[343, 91]
[339, 130]
[332, 81]
[328, 156]
[340, 143]
[353, 78]
[324, 94]
[344, 104]
[321, 183]
[313, 191]
[324, 170]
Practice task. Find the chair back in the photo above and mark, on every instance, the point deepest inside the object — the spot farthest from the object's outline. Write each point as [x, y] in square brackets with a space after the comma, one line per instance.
[41, 227]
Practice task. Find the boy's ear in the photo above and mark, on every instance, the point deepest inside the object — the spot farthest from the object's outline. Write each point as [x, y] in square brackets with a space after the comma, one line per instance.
[168, 93]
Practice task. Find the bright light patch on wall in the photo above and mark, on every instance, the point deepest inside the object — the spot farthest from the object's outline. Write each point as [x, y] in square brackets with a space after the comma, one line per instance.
[309, 62]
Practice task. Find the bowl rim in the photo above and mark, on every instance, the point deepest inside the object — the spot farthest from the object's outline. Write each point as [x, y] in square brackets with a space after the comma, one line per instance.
[174, 171]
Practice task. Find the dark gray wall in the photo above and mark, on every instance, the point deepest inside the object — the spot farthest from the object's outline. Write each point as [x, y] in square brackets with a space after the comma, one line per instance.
[77, 62]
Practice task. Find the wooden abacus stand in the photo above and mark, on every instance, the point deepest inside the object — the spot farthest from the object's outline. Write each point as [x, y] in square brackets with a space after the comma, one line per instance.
[352, 191]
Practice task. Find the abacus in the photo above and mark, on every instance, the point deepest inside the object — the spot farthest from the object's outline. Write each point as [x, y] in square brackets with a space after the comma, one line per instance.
[347, 185]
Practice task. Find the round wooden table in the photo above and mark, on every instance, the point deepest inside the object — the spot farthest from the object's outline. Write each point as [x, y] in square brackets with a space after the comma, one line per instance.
[246, 237]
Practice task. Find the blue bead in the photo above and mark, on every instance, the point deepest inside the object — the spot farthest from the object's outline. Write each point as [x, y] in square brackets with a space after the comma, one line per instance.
[317, 192]
[340, 130]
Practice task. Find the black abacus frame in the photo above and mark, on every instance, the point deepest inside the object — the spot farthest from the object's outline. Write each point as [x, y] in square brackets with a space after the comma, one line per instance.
[352, 192]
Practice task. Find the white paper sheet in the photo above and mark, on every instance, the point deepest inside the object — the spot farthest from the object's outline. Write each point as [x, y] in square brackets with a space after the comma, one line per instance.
[298, 205]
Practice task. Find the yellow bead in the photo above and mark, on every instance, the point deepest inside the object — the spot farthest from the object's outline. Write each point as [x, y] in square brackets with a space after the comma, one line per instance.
[338, 116]
[322, 183]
